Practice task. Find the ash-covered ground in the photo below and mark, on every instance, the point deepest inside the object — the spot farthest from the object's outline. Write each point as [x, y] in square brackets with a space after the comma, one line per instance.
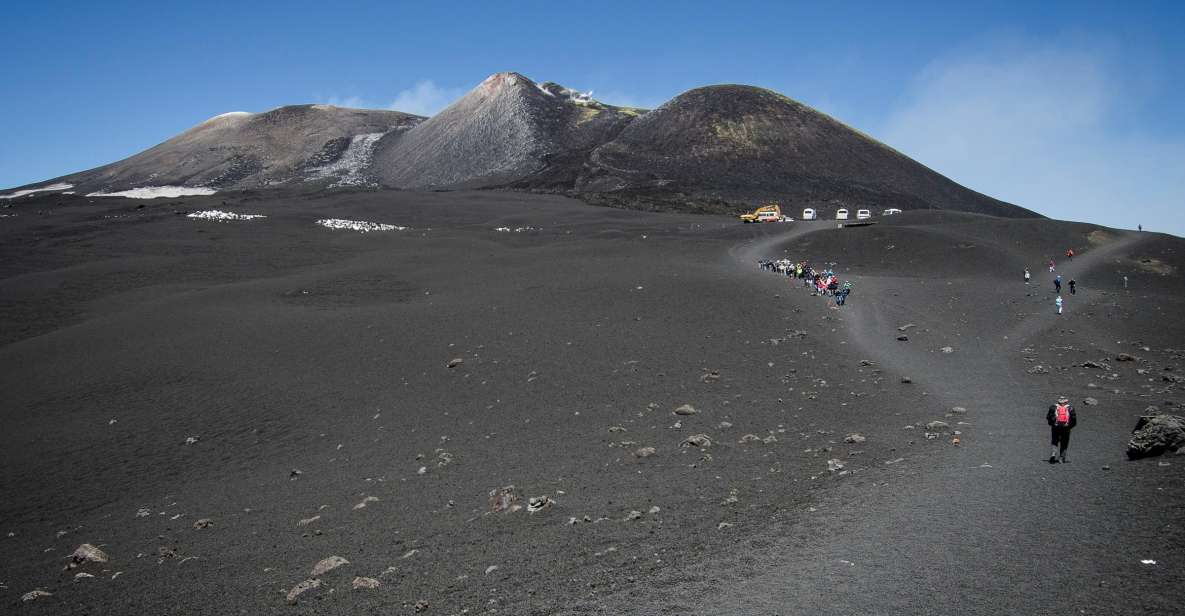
[220, 406]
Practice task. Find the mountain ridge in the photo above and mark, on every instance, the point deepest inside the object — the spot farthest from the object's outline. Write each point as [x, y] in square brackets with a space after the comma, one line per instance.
[717, 148]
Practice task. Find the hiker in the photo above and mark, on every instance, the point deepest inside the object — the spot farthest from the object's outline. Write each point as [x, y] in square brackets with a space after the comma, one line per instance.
[1140, 228]
[1070, 254]
[1051, 266]
[1125, 282]
[1061, 419]
[1072, 290]
[1057, 284]
[1027, 275]
[1058, 303]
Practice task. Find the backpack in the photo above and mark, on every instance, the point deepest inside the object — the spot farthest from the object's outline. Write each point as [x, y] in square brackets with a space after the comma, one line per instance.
[1061, 415]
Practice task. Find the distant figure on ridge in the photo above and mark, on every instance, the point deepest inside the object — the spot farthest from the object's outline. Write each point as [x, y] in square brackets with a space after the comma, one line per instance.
[1072, 290]
[1140, 228]
[1027, 276]
[1057, 284]
[1061, 419]
[1058, 302]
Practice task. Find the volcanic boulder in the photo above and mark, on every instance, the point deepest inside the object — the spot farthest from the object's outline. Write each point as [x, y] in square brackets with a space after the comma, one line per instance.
[1156, 434]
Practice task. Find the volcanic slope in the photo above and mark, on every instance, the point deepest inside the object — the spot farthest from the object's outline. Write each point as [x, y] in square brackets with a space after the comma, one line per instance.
[505, 130]
[734, 142]
[246, 150]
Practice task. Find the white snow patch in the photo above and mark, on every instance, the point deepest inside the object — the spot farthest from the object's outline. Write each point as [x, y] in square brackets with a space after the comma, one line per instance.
[220, 215]
[1147, 561]
[516, 229]
[357, 225]
[50, 188]
[230, 114]
[153, 192]
[349, 168]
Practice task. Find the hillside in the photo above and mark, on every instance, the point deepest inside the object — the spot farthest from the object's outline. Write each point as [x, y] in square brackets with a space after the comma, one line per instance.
[506, 129]
[247, 150]
[732, 142]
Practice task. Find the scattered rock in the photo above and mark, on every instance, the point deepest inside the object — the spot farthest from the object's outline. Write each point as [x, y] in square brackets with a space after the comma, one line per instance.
[307, 521]
[903, 338]
[422, 605]
[633, 515]
[366, 501]
[905, 327]
[190, 440]
[82, 575]
[834, 465]
[958, 410]
[1125, 357]
[1038, 369]
[644, 452]
[686, 409]
[724, 425]
[203, 524]
[503, 499]
[616, 429]
[867, 362]
[328, 564]
[539, 503]
[295, 474]
[947, 349]
[1090, 402]
[34, 595]
[749, 438]
[1155, 435]
[723, 525]
[87, 553]
[302, 588]
[454, 362]
[655, 509]
[854, 438]
[710, 377]
[935, 426]
[906, 380]
[697, 440]
[361, 583]
[1098, 365]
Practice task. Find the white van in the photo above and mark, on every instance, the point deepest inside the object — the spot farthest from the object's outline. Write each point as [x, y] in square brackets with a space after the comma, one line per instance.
[809, 214]
[891, 211]
[863, 214]
[841, 214]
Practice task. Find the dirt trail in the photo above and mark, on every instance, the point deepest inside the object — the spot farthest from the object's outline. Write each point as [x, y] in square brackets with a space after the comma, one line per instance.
[988, 527]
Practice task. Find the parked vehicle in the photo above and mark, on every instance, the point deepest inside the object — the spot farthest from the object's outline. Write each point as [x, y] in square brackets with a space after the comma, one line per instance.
[809, 214]
[841, 213]
[891, 211]
[863, 214]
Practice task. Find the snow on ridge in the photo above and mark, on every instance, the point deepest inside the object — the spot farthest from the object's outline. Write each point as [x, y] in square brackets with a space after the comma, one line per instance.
[153, 192]
[357, 225]
[30, 191]
[349, 167]
[231, 114]
[219, 215]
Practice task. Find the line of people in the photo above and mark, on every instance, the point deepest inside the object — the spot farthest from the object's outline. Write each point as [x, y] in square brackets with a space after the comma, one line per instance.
[824, 282]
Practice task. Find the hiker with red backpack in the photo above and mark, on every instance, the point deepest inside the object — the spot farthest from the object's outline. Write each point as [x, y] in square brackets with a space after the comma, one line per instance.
[1061, 419]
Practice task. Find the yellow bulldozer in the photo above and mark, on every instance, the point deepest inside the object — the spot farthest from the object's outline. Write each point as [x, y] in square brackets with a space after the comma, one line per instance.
[770, 212]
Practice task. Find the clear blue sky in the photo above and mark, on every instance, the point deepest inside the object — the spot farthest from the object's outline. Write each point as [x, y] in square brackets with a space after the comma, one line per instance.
[1073, 109]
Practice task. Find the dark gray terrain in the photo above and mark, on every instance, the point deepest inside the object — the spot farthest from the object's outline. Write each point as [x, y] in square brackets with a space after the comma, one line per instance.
[220, 407]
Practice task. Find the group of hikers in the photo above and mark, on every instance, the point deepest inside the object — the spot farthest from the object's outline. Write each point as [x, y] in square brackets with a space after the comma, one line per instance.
[1057, 281]
[824, 282]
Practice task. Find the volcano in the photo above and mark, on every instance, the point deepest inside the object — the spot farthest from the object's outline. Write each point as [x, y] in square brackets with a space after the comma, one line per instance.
[508, 130]
[714, 149]
[250, 150]
[740, 143]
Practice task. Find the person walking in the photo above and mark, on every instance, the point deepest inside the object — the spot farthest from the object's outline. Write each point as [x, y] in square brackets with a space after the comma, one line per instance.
[1061, 419]
[1058, 302]
[1051, 266]
[1057, 284]
[1072, 290]
[1070, 254]
[1027, 275]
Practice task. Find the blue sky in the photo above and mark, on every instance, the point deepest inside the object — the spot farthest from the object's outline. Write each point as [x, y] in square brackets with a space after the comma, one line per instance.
[1073, 109]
